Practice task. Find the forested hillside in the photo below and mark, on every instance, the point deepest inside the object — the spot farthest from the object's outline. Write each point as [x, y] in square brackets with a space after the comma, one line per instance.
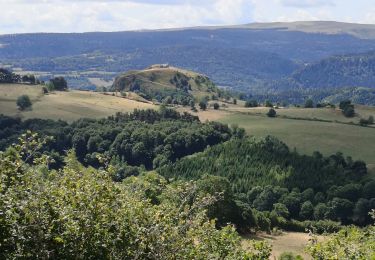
[339, 71]
[258, 176]
[143, 138]
[213, 175]
[266, 176]
[258, 60]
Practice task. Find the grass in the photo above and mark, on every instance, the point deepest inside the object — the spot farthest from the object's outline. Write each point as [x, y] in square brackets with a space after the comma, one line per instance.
[286, 242]
[310, 136]
[68, 106]
[327, 114]
[10, 92]
[306, 136]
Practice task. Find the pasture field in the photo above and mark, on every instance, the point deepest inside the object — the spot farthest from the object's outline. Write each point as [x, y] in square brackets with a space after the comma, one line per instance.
[286, 242]
[309, 136]
[9, 94]
[304, 135]
[327, 114]
[68, 106]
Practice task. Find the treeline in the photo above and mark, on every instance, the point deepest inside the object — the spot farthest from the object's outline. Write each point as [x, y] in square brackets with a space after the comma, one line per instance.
[284, 186]
[56, 83]
[7, 76]
[146, 138]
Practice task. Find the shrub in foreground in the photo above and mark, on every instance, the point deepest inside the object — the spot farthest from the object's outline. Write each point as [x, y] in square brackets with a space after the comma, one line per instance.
[80, 213]
[349, 243]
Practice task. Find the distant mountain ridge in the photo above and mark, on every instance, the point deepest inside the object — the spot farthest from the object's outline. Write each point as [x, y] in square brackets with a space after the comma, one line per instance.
[257, 59]
[363, 31]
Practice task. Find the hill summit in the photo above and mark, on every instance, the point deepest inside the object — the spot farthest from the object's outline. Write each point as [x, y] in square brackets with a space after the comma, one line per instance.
[167, 84]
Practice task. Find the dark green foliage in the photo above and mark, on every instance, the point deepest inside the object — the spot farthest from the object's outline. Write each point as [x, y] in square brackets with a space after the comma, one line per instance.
[268, 103]
[361, 210]
[369, 189]
[203, 105]
[309, 103]
[251, 103]
[271, 113]
[225, 209]
[347, 108]
[23, 102]
[320, 211]
[270, 178]
[281, 210]
[340, 209]
[59, 83]
[8, 77]
[349, 111]
[216, 106]
[144, 137]
[366, 122]
[29, 79]
[307, 210]
[345, 103]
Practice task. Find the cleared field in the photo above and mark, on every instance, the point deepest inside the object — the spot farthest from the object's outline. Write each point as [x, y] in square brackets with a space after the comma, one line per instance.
[9, 94]
[210, 114]
[310, 136]
[287, 242]
[329, 114]
[73, 105]
[98, 82]
[306, 136]
[68, 106]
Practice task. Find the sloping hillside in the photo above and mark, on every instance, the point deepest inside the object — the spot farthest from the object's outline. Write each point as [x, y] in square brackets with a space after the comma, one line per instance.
[65, 105]
[362, 31]
[166, 84]
[340, 71]
[234, 56]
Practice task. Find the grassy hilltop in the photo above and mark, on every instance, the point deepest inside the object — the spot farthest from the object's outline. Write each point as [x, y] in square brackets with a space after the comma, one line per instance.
[163, 81]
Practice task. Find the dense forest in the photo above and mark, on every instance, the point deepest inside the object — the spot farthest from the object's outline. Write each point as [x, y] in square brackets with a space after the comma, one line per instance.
[264, 184]
[287, 187]
[145, 138]
[149, 181]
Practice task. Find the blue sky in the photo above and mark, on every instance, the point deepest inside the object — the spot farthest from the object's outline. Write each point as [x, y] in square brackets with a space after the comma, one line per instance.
[22, 16]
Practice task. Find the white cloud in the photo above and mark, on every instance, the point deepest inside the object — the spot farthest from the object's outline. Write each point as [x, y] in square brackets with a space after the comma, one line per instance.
[118, 15]
[307, 3]
[115, 15]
